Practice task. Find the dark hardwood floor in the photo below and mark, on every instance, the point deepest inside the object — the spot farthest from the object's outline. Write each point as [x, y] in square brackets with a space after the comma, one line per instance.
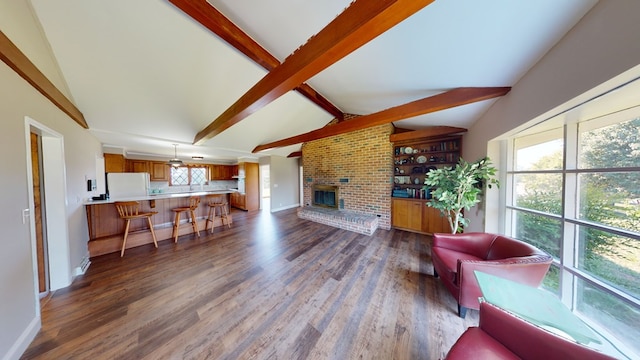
[271, 287]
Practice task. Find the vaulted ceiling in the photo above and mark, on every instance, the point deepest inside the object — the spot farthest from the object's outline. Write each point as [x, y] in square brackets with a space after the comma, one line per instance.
[224, 77]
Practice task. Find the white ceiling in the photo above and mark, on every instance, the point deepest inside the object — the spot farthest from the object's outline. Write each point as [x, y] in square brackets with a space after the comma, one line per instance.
[145, 75]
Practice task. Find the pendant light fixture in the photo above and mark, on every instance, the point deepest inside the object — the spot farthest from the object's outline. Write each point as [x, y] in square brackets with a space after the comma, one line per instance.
[175, 162]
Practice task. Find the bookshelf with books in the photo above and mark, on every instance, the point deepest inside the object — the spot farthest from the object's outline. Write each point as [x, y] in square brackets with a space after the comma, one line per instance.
[413, 159]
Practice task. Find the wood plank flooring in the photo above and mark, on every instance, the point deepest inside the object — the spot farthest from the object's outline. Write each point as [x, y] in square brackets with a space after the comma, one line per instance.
[272, 287]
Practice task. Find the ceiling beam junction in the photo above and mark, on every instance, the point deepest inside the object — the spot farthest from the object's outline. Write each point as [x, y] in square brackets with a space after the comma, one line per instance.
[212, 19]
[358, 24]
[442, 101]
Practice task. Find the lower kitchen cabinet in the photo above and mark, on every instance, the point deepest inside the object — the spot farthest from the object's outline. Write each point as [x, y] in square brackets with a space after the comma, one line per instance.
[414, 215]
[238, 200]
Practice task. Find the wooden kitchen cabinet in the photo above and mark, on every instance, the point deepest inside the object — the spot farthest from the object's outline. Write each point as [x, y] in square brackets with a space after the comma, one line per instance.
[252, 185]
[220, 172]
[238, 200]
[137, 166]
[234, 171]
[114, 163]
[250, 200]
[159, 171]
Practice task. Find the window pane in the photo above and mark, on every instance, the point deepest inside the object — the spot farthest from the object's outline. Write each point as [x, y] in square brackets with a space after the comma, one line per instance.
[540, 231]
[610, 146]
[198, 176]
[611, 198]
[612, 258]
[179, 176]
[542, 192]
[545, 155]
[618, 317]
[551, 281]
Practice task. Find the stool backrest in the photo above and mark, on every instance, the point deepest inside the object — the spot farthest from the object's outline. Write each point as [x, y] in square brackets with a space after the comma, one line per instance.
[127, 208]
[216, 199]
[194, 201]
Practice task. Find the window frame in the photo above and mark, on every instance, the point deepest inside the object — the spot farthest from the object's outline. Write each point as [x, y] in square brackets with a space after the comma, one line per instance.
[570, 274]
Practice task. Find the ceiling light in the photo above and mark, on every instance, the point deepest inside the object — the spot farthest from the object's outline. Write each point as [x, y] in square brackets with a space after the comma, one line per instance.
[175, 161]
[197, 157]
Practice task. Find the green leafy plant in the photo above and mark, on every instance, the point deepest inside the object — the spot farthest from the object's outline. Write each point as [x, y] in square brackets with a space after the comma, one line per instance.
[454, 189]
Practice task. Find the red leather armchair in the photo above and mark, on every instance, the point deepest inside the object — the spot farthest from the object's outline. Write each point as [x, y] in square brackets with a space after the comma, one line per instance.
[501, 335]
[456, 256]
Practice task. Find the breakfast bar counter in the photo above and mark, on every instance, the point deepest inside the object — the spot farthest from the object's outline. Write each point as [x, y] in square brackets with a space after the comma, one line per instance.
[106, 228]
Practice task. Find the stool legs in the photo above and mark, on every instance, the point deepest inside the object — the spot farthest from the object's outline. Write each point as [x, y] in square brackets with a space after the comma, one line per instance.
[194, 223]
[176, 225]
[126, 232]
[153, 233]
[224, 215]
[212, 215]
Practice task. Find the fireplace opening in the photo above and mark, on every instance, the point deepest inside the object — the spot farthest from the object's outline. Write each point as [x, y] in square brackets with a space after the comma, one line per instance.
[325, 195]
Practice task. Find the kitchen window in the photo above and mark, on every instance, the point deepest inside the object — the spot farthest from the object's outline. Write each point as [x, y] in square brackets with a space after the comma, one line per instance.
[188, 175]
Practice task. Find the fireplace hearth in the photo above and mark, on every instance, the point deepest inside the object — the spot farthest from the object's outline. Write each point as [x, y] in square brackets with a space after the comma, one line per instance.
[325, 196]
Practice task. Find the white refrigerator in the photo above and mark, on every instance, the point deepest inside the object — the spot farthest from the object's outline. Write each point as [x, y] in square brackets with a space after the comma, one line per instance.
[127, 185]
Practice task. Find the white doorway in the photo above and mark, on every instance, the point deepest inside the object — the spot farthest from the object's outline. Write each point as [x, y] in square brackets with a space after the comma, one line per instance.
[54, 205]
[265, 187]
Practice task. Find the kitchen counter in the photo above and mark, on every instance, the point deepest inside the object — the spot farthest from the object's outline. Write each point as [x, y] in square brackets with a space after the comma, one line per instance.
[160, 196]
[106, 228]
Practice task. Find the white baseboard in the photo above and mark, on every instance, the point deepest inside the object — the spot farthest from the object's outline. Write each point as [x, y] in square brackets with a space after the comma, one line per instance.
[285, 208]
[22, 343]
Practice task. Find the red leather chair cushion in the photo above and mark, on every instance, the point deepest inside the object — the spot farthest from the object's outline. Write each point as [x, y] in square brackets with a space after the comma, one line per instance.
[478, 345]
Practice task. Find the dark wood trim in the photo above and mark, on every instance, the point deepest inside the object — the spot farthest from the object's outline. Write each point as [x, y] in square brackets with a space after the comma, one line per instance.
[432, 131]
[209, 17]
[446, 100]
[295, 154]
[18, 61]
[361, 22]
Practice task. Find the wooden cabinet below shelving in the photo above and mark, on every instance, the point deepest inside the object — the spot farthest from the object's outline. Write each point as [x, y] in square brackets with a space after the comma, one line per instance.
[414, 215]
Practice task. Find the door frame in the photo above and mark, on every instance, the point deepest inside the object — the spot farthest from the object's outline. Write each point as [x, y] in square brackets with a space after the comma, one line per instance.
[55, 195]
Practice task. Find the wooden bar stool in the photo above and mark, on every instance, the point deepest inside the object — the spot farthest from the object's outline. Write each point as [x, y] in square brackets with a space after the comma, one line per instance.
[217, 202]
[129, 210]
[194, 201]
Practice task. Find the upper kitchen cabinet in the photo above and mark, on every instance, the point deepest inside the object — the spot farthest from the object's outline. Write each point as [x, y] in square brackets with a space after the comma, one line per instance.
[159, 171]
[138, 166]
[219, 172]
[114, 163]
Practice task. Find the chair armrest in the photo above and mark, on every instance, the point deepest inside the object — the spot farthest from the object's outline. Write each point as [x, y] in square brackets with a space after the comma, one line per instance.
[476, 244]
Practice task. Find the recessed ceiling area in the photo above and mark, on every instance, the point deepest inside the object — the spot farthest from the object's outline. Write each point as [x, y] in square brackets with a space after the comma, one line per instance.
[146, 75]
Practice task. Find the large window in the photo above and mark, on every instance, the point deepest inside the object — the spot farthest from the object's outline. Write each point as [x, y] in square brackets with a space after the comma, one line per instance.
[575, 193]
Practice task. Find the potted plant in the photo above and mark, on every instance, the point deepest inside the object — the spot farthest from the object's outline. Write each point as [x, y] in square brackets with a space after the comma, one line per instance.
[456, 188]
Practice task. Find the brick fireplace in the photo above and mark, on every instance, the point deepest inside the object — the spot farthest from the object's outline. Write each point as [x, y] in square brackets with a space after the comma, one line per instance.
[326, 196]
[359, 164]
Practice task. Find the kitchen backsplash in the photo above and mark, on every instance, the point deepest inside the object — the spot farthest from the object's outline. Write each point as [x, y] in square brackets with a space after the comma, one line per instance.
[163, 186]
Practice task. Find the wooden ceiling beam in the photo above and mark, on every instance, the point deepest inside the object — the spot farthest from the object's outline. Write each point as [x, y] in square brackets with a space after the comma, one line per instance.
[358, 24]
[446, 100]
[20, 63]
[295, 154]
[431, 131]
[209, 17]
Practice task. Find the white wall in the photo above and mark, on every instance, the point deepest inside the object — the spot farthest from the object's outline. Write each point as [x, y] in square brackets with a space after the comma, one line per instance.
[601, 46]
[19, 317]
[285, 183]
